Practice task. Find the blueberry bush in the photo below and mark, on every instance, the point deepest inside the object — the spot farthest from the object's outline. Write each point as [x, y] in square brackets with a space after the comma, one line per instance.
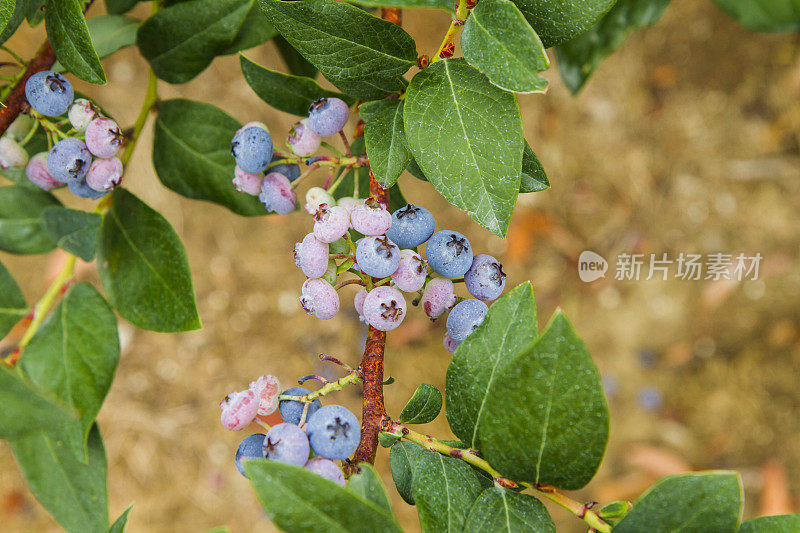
[526, 405]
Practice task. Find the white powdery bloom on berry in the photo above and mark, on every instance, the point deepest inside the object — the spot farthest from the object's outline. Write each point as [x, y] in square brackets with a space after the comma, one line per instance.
[238, 410]
[319, 299]
[103, 137]
[331, 223]
[358, 303]
[12, 155]
[450, 344]
[247, 182]
[277, 194]
[312, 256]
[267, 388]
[384, 308]
[349, 203]
[315, 197]
[370, 218]
[251, 125]
[439, 296]
[302, 140]
[104, 174]
[37, 173]
[81, 113]
[411, 273]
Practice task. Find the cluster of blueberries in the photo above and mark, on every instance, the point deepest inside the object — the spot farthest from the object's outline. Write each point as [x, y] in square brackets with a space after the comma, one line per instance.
[252, 147]
[311, 436]
[84, 159]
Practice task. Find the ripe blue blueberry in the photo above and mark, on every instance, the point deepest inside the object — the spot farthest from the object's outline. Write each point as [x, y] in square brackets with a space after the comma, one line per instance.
[327, 116]
[81, 189]
[290, 170]
[464, 318]
[252, 149]
[292, 410]
[377, 256]
[333, 432]
[411, 226]
[251, 447]
[326, 468]
[449, 253]
[485, 279]
[286, 443]
[49, 93]
[68, 160]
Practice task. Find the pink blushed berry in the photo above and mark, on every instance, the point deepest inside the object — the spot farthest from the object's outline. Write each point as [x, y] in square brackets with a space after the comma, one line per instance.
[411, 273]
[331, 223]
[238, 410]
[103, 137]
[247, 182]
[450, 344]
[250, 125]
[384, 308]
[439, 296]
[81, 113]
[370, 218]
[325, 468]
[315, 197]
[267, 388]
[348, 202]
[319, 299]
[37, 173]
[312, 256]
[358, 303]
[277, 194]
[104, 174]
[302, 140]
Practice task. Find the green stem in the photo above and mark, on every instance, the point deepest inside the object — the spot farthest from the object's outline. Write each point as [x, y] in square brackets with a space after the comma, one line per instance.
[460, 17]
[339, 180]
[13, 54]
[30, 134]
[150, 98]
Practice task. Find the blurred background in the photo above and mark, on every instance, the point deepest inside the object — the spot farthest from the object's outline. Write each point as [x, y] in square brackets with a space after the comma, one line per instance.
[685, 141]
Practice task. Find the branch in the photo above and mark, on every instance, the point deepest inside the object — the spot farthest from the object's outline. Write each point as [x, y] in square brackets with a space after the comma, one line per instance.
[16, 101]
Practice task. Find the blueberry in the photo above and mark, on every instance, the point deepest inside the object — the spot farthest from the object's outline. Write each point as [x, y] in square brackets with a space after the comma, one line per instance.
[411, 226]
[290, 170]
[331, 223]
[81, 113]
[450, 344]
[81, 189]
[251, 447]
[333, 432]
[312, 256]
[315, 197]
[370, 217]
[104, 174]
[252, 149]
[247, 182]
[650, 398]
[302, 140]
[49, 93]
[485, 279]
[438, 297]
[36, 171]
[277, 194]
[377, 256]
[411, 273]
[238, 409]
[12, 155]
[358, 303]
[292, 410]
[103, 137]
[252, 124]
[449, 253]
[384, 308]
[349, 203]
[319, 298]
[286, 443]
[326, 468]
[266, 388]
[327, 116]
[68, 160]
[464, 318]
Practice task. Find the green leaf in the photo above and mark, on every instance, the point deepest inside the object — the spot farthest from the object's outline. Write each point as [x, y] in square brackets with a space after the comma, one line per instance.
[180, 41]
[466, 136]
[387, 440]
[402, 458]
[119, 525]
[761, 15]
[444, 491]
[437, 4]
[423, 406]
[296, 63]
[192, 154]
[291, 94]
[69, 35]
[545, 419]
[695, 502]
[556, 21]
[785, 523]
[73, 231]
[19, 12]
[368, 486]
[12, 303]
[6, 13]
[72, 491]
[144, 269]
[385, 136]
[580, 57]
[534, 178]
[118, 7]
[360, 54]
[297, 501]
[498, 41]
[21, 230]
[75, 353]
[109, 33]
[509, 327]
[499, 509]
[255, 30]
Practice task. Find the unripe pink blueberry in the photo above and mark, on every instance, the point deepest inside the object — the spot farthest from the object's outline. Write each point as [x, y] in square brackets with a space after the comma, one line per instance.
[36, 171]
[325, 468]
[315, 197]
[103, 137]
[348, 202]
[247, 182]
[411, 273]
[238, 409]
[439, 296]
[12, 155]
[302, 140]
[313, 256]
[277, 194]
[358, 303]
[267, 388]
[370, 218]
[104, 174]
[319, 299]
[81, 113]
[331, 223]
[450, 344]
[250, 125]
[384, 308]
